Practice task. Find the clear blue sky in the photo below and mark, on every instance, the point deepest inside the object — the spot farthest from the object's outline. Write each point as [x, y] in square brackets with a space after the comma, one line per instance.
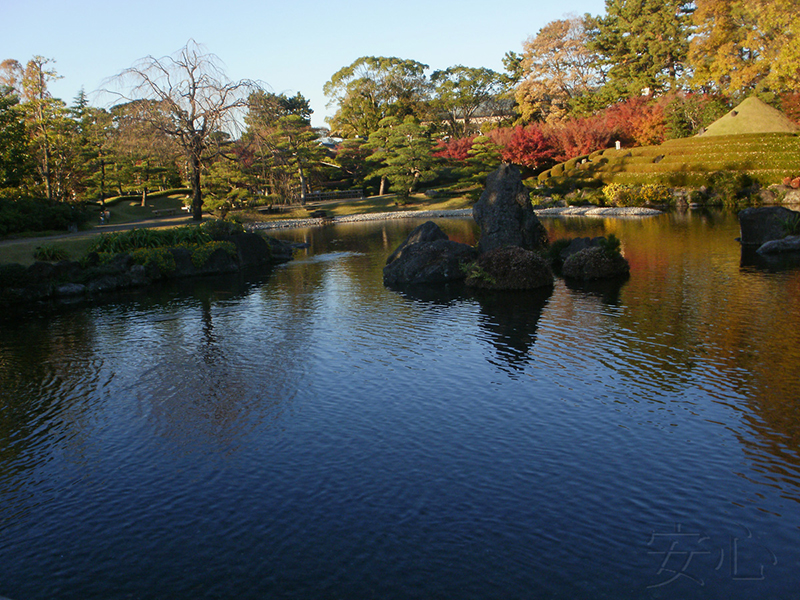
[290, 45]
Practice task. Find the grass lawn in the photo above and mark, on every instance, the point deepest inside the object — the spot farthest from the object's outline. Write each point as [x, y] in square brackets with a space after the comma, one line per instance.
[127, 210]
[372, 204]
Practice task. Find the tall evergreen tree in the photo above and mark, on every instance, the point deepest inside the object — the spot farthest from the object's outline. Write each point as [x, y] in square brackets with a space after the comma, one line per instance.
[404, 150]
[644, 44]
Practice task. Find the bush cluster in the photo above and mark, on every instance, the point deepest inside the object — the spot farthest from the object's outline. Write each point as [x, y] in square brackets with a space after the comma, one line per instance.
[152, 246]
[19, 214]
[135, 239]
[620, 194]
[50, 253]
[161, 258]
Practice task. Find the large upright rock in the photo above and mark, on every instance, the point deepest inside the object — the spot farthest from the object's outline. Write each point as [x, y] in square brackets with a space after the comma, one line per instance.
[764, 223]
[505, 215]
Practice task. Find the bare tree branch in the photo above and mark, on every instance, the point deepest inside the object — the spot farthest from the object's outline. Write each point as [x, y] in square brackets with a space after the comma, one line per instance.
[187, 97]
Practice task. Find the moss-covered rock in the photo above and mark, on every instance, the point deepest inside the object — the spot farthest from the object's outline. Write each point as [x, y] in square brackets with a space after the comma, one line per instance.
[595, 263]
[510, 268]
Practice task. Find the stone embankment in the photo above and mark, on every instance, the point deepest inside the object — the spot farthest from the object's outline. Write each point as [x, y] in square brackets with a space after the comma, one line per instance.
[568, 211]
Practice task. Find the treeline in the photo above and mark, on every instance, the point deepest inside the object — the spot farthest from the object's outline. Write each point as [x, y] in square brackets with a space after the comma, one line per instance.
[645, 71]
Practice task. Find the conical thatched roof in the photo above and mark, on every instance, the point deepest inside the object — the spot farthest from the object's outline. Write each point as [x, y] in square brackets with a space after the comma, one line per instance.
[752, 116]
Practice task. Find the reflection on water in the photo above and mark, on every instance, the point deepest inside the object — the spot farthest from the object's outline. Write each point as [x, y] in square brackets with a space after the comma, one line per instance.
[309, 433]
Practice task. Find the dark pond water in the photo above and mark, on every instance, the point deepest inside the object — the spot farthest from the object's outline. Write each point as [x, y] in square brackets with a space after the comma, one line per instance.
[310, 434]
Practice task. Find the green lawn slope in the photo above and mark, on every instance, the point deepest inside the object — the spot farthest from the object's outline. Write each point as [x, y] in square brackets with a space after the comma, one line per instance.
[752, 116]
[729, 145]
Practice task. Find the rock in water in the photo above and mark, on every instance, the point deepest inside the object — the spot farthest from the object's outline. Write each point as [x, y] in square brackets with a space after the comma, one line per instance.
[510, 268]
[595, 263]
[427, 232]
[427, 256]
[505, 214]
[764, 223]
[790, 243]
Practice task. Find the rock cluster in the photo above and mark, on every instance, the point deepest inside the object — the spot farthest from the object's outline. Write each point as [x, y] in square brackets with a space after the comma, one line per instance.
[504, 258]
[509, 253]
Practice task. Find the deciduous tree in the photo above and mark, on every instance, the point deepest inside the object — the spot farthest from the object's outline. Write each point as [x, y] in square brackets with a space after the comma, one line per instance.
[190, 99]
[745, 45]
[375, 87]
[13, 140]
[461, 92]
[557, 68]
[524, 146]
[44, 114]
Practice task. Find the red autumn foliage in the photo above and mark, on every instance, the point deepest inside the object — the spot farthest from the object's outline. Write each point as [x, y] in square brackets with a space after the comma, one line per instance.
[453, 149]
[525, 146]
[637, 121]
[578, 136]
[790, 104]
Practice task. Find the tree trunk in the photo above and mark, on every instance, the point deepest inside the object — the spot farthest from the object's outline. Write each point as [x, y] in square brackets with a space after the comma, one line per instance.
[144, 197]
[46, 167]
[303, 187]
[102, 182]
[382, 191]
[197, 198]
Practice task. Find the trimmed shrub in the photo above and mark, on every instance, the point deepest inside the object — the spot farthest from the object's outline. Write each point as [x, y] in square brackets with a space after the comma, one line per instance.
[620, 194]
[159, 258]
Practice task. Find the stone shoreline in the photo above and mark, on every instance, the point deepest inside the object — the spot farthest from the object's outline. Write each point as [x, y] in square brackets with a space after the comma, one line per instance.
[568, 211]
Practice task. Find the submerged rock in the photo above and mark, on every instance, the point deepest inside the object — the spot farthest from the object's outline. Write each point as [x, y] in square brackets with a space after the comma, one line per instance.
[790, 243]
[505, 214]
[578, 244]
[595, 263]
[510, 268]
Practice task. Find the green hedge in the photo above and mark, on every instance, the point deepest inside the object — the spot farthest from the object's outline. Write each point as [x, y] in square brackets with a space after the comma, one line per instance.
[20, 215]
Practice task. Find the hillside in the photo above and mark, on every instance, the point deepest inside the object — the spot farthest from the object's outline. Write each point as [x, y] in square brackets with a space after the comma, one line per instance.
[757, 141]
[752, 116]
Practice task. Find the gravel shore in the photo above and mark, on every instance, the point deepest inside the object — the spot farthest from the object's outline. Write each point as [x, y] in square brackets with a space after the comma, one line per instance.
[569, 211]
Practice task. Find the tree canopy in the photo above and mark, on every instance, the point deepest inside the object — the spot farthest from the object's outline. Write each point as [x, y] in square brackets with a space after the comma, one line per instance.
[460, 92]
[557, 66]
[746, 45]
[188, 98]
[643, 43]
[375, 87]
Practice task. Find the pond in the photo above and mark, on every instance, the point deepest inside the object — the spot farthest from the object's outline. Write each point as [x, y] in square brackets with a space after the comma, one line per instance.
[308, 433]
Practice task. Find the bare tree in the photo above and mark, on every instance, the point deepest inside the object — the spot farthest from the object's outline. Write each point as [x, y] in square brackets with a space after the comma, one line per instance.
[189, 99]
